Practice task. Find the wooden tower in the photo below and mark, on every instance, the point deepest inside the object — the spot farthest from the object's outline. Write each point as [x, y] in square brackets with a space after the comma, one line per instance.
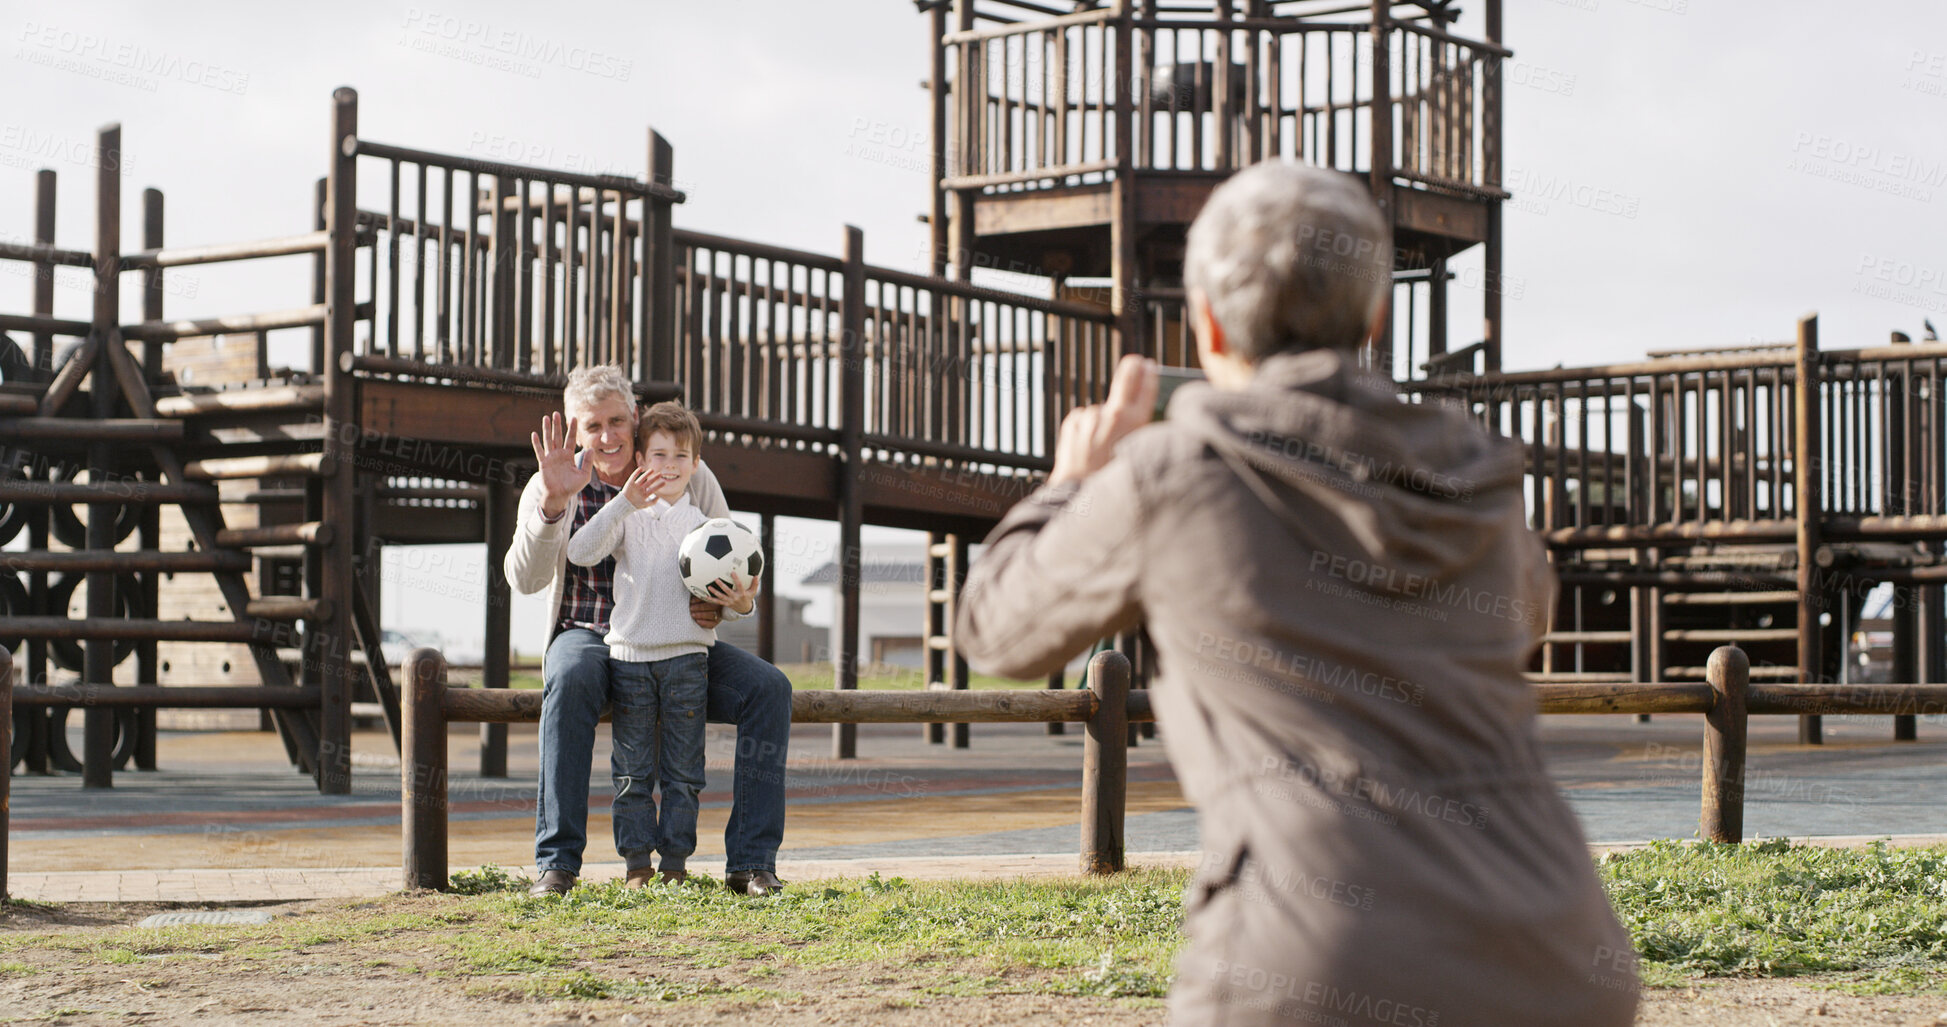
[1079, 140]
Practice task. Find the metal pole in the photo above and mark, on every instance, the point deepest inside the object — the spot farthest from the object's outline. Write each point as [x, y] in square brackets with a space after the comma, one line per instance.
[1729, 674]
[1105, 765]
[147, 656]
[422, 771]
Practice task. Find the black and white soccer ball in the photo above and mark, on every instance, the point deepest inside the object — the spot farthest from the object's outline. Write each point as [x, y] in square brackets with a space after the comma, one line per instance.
[718, 550]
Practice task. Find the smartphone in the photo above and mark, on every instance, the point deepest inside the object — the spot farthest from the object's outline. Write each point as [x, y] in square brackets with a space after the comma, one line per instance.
[1168, 380]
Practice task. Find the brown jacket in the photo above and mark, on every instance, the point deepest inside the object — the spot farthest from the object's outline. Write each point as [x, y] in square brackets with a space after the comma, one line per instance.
[1342, 592]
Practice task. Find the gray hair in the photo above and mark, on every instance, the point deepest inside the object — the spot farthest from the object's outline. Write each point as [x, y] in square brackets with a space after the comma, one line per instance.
[590, 384]
[1291, 257]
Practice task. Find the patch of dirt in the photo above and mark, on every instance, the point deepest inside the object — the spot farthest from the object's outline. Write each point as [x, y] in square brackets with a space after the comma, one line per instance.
[1776, 1002]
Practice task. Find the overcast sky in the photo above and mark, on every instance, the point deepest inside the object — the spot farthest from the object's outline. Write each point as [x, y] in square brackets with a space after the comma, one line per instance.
[1686, 172]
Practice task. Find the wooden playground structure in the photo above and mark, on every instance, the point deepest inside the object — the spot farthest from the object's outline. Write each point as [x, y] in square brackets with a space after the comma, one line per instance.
[1690, 501]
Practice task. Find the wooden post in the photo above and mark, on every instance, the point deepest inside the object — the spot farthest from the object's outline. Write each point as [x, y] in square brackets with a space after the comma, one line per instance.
[6, 759]
[956, 570]
[339, 507]
[1055, 684]
[1105, 765]
[422, 771]
[1491, 175]
[1380, 126]
[1124, 266]
[149, 528]
[851, 436]
[500, 508]
[1729, 674]
[37, 517]
[767, 598]
[98, 655]
[936, 90]
[939, 609]
[1810, 510]
[1897, 419]
[659, 271]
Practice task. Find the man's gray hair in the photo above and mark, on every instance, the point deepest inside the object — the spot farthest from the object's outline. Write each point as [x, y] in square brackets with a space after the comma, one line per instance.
[590, 384]
[1291, 257]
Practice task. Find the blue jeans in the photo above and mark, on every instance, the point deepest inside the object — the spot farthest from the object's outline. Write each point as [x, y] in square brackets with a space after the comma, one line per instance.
[658, 726]
[744, 691]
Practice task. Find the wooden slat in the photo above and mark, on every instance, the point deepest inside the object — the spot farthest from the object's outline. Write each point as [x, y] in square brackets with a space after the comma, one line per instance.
[169, 696]
[79, 430]
[308, 533]
[295, 397]
[18, 491]
[82, 560]
[131, 629]
[313, 464]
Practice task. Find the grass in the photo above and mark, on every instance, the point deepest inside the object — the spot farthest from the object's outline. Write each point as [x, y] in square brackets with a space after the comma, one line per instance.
[1870, 920]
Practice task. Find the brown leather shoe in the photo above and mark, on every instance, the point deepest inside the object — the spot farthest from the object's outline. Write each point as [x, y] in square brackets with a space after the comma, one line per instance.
[639, 878]
[552, 882]
[674, 876]
[753, 882]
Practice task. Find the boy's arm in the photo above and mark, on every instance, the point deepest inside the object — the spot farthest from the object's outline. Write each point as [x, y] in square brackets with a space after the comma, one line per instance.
[534, 555]
[598, 539]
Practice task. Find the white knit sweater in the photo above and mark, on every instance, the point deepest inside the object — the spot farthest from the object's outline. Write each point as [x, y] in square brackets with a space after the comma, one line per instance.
[652, 607]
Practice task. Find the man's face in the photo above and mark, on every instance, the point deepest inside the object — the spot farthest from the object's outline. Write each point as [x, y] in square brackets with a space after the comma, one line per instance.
[605, 430]
[671, 462]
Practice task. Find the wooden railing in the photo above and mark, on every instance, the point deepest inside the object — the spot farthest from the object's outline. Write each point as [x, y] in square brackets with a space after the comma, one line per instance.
[1727, 700]
[493, 266]
[1702, 447]
[1107, 707]
[945, 369]
[1040, 102]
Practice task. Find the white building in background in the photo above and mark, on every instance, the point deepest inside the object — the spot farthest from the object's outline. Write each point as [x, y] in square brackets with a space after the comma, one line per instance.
[892, 606]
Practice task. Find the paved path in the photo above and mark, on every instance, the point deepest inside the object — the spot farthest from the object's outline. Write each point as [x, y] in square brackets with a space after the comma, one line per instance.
[230, 805]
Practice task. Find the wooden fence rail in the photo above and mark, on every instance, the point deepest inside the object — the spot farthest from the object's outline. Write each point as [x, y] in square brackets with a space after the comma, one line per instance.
[1107, 707]
[1727, 701]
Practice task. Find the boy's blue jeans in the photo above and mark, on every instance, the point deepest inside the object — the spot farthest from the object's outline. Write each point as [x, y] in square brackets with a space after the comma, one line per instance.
[658, 726]
[744, 691]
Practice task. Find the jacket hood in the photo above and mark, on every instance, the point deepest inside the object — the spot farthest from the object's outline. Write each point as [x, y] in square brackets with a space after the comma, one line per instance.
[1418, 486]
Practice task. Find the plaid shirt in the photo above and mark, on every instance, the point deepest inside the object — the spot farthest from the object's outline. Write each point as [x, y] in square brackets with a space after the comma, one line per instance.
[588, 595]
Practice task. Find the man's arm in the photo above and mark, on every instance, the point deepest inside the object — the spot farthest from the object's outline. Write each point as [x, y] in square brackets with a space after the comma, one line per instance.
[706, 493]
[1059, 572]
[534, 555]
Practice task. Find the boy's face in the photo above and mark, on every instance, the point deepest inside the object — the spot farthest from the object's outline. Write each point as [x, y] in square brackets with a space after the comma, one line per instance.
[670, 461]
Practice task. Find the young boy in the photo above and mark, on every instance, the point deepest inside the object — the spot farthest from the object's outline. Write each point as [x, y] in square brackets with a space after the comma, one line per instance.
[657, 654]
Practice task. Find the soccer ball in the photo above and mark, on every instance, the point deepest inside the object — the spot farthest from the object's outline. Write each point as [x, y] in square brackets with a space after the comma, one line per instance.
[718, 551]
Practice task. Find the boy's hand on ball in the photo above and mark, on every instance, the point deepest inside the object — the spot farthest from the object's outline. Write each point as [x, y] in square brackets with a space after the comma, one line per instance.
[705, 613]
[641, 488]
[738, 595]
